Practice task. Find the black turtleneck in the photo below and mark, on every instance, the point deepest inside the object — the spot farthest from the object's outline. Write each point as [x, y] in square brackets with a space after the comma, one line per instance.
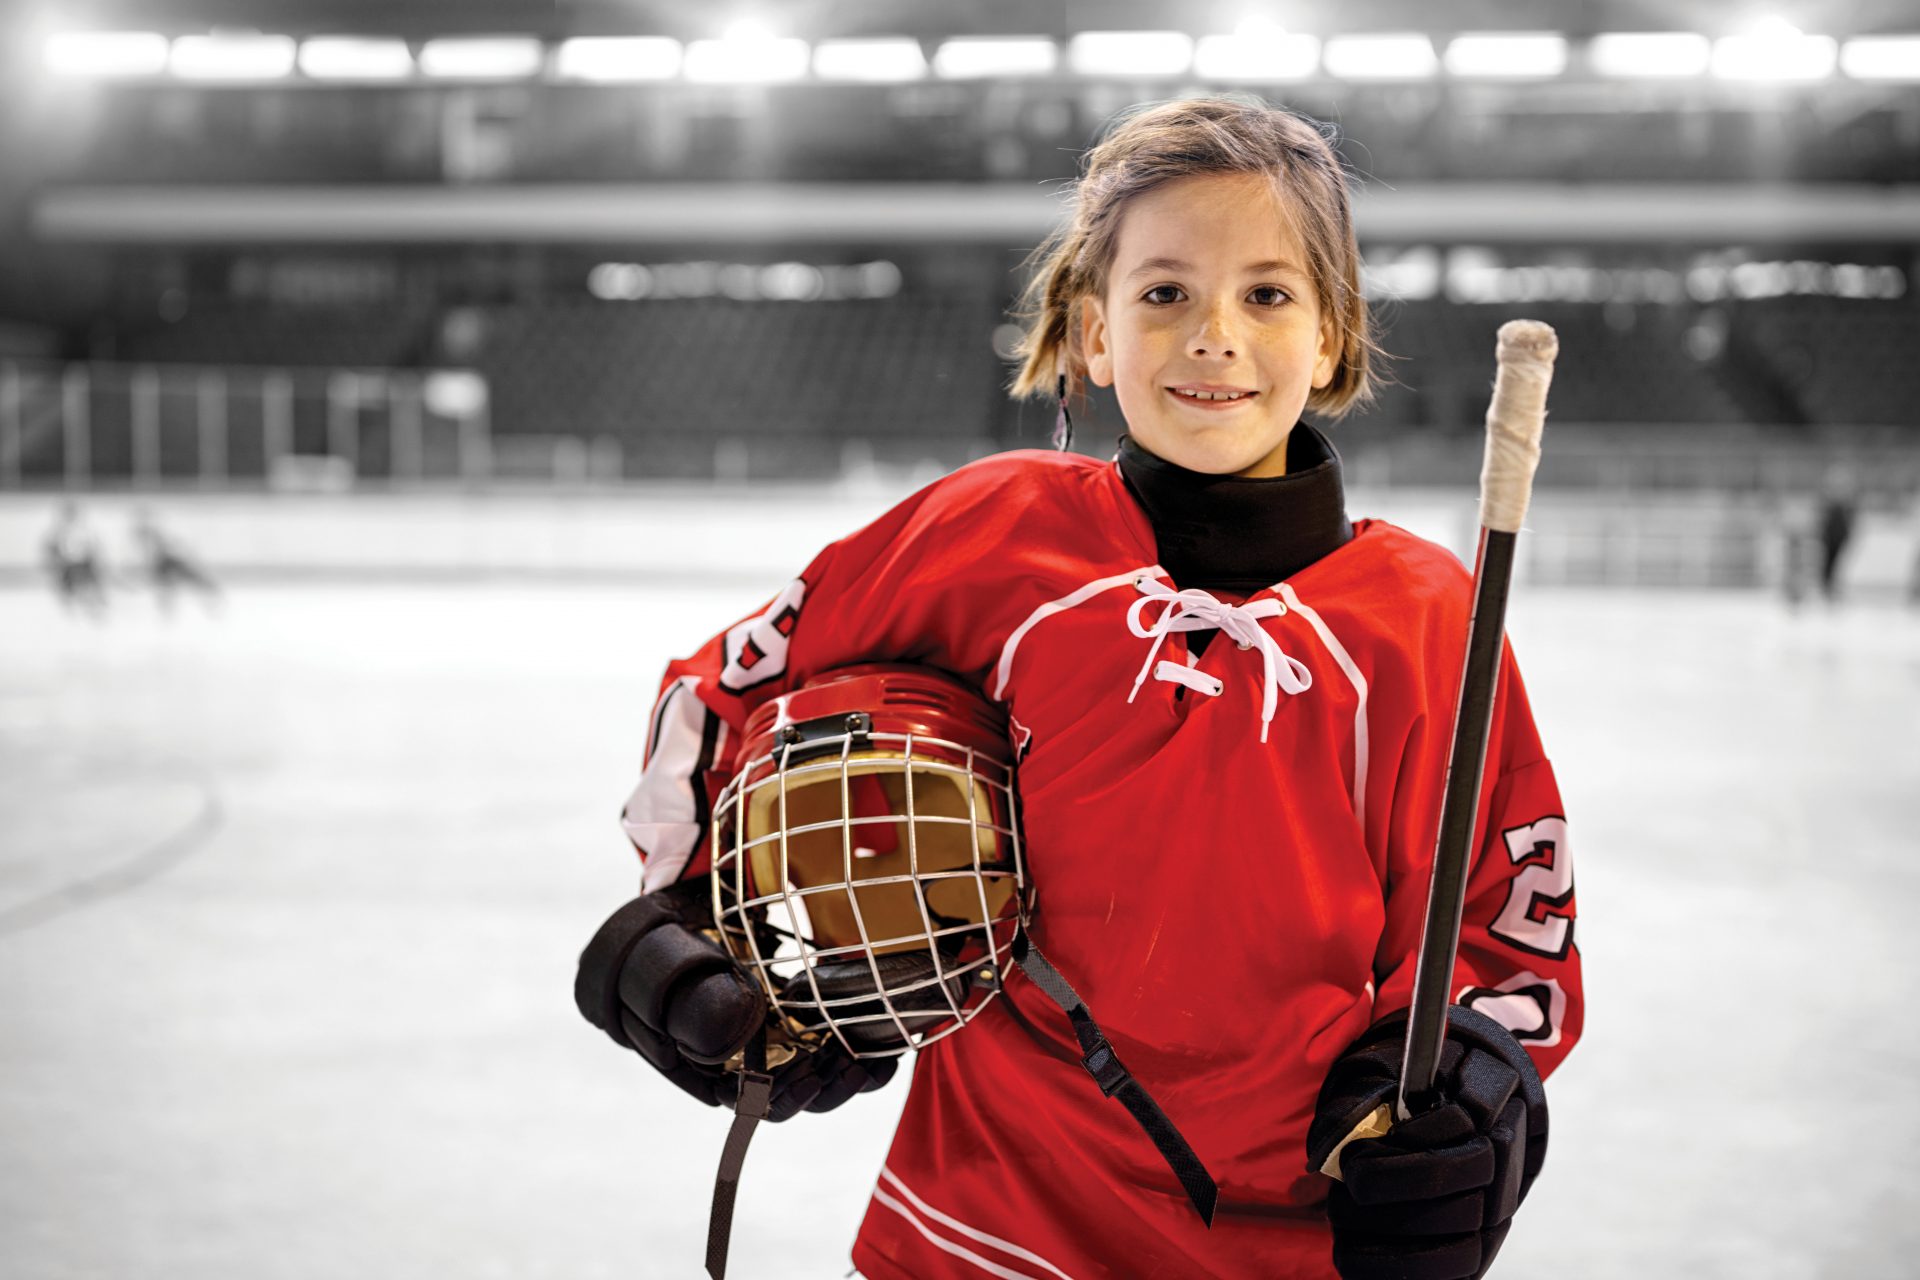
[1228, 533]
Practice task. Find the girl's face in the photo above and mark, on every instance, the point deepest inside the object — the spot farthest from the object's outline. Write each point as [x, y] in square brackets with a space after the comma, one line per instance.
[1210, 331]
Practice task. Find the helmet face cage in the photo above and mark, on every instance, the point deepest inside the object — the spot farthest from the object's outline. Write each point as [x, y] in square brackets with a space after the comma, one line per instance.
[870, 881]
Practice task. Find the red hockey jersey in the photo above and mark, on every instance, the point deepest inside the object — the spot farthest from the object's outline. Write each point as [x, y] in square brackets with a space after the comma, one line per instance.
[1230, 850]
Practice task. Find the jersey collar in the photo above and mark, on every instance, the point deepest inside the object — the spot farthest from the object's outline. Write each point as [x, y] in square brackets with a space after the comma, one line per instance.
[1235, 534]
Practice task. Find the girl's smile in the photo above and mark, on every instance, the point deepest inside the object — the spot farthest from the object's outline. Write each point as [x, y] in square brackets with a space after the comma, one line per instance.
[1212, 398]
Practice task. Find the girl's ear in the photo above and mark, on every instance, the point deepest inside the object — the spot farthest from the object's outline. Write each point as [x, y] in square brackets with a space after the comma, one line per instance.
[1094, 346]
[1328, 357]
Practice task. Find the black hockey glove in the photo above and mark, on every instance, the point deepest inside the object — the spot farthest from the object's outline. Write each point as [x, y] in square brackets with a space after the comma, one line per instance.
[657, 985]
[1433, 1198]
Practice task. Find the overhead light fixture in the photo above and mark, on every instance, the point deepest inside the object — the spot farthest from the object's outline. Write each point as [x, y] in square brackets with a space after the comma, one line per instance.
[990, 57]
[1775, 51]
[1506, 55]
[1130, 53]
[236, 56]
[747, 54]
[1397, 56]
[881, 59]
[355, 58]
[1653, 55]
[1257, 51]
[481, 57]
[105, 54]
[453, 393]
[1881, 57]
[613, 59]
[620, 281]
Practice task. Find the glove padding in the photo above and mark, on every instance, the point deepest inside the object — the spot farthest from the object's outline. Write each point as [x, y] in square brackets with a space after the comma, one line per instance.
[657, 985]
[1431, 1199]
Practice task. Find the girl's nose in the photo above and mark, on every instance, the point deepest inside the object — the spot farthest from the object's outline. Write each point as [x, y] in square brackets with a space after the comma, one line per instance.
[1215, 337]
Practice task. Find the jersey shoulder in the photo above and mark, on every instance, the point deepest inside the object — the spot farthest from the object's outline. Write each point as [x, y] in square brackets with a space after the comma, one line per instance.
[1420, 570]
[1026, 473]
[1398, 591]
[1025, 493]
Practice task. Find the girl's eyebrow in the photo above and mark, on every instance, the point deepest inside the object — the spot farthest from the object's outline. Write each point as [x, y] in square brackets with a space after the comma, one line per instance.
[1154, 265]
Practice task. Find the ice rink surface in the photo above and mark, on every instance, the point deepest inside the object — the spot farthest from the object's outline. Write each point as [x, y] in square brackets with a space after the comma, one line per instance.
[290, 900]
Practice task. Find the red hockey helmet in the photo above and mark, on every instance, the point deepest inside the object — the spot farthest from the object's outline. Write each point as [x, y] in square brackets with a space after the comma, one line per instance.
[867, 866]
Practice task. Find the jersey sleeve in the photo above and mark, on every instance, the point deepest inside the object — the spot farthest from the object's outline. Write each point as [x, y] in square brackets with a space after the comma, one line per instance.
[1517, 962]
[899, 590]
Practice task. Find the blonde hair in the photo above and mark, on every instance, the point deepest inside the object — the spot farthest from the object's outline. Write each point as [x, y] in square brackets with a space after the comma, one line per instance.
[1158, 143]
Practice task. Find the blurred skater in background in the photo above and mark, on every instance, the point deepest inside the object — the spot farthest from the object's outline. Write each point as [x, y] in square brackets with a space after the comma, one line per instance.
[168, 566]
[72, 556]
[1839, 505]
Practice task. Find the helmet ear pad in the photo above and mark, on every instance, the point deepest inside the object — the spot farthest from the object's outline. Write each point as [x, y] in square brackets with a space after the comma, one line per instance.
[907, 981]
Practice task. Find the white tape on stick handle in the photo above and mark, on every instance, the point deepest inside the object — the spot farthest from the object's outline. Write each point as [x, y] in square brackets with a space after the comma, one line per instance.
[1514, 421]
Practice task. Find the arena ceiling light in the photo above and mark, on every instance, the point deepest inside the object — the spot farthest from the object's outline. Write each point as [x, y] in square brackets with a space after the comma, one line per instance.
[618, 59]
[991, 57]
[1257, 50]
[883, 59]
[355, 58]
[1777, 51]
[1881, 57]
[238, 56]
[453, 393]
[105, 54]
[1506, 55]
[1130, 53]
[1650, 54]
[1396, 56]
[481, 57]
[747, 54]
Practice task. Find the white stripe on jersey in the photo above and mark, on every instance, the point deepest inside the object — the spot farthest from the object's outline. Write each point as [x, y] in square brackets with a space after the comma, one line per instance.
[663, 815]
[941, 1242]
[972, 1233]
[1359, 683]
[1005, 670]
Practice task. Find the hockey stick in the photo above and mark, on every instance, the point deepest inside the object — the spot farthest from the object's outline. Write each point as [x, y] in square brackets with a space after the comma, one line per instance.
[1526, 351]
[1518, 412]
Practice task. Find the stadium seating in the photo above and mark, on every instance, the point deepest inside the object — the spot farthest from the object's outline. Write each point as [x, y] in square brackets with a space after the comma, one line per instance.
[1627, 364]
[1846, 361]
[332, 337]
[715, 367]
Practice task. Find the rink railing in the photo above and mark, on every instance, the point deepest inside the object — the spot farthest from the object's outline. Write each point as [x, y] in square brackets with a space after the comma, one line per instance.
[92, 426]
[83, 426]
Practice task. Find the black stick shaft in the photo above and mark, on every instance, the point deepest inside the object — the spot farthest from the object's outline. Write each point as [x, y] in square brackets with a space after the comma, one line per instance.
[1459, 818]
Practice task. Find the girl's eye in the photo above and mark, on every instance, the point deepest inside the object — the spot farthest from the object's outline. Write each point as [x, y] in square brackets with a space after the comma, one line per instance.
[1162, 294]
[1267, 295]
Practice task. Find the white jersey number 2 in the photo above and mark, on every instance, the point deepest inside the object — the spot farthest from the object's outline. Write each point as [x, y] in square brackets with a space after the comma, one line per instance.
[1530, 920]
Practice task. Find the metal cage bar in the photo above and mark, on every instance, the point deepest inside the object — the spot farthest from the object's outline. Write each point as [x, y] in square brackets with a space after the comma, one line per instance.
[742, 908]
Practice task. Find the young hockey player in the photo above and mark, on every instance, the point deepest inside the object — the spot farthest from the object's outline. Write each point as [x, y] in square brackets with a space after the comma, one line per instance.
[1231, 708]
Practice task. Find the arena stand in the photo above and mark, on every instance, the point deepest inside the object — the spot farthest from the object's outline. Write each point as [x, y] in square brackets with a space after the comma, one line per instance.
[910, 370]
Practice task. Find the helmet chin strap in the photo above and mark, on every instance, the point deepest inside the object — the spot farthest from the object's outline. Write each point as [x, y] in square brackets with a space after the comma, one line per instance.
[756, 1081]
[1115, 1081]
[756, 1095]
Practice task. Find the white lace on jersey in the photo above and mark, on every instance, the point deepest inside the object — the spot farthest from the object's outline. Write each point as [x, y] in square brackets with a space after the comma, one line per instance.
[1196, 610]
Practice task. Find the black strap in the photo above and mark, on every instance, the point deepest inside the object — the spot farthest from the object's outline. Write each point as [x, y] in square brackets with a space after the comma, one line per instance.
[756, 1094]
[1115, 1081]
